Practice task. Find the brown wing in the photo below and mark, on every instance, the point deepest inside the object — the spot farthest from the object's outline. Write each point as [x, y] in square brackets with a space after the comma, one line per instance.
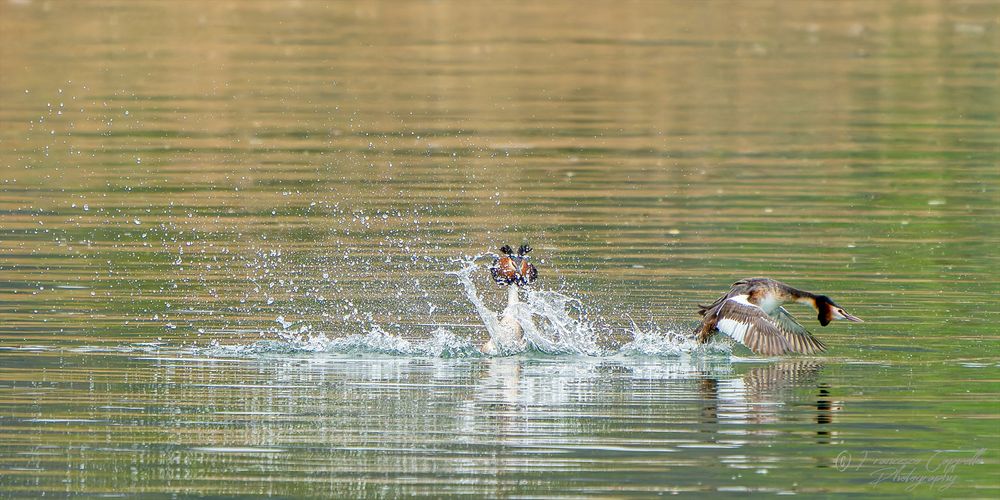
[706, 310]
[798, 338]
[710, 312]
[734, 289]
[751, 326]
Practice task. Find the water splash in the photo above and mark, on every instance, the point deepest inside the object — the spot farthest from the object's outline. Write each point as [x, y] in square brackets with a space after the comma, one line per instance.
[562, 325]
[489, 318]
[553, 323]
[653, 342]
[441, 344]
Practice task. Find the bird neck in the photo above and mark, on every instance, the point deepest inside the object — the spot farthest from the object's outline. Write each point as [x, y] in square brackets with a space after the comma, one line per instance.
[512, 295]
[804, 297]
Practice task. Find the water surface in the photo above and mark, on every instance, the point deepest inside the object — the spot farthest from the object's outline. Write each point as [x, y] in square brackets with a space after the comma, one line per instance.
[229, 232]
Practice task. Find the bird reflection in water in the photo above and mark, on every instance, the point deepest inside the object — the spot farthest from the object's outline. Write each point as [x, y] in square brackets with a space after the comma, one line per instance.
[757, 397]
[731, 403]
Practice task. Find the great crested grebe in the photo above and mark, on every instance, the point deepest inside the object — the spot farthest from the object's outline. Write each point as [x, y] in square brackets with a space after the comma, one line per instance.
[751, 314]
[511, 271]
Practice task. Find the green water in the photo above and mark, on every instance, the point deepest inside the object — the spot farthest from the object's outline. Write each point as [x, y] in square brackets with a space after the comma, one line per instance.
[226, 232]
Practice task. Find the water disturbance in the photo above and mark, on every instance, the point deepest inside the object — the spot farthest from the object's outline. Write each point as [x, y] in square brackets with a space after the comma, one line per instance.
[244, 247]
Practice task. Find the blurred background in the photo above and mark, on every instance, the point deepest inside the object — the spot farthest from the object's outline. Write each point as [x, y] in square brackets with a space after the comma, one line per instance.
[253, 157]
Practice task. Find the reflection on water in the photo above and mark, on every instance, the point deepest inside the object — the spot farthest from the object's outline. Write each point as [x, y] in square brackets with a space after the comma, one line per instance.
[227, 228]
[496, 422]
[332, 424]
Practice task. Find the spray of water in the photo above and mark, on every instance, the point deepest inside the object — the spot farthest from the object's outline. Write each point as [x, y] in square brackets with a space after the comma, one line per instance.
[553, 323]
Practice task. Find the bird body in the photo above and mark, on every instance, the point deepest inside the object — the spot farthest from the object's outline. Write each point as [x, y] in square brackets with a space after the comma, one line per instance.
[512, 271]
[509, 336]
[752, 314]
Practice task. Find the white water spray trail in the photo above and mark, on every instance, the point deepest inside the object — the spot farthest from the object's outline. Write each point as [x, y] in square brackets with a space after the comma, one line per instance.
[500, 331]
[546, 318]
[562, 325]
[551, 323]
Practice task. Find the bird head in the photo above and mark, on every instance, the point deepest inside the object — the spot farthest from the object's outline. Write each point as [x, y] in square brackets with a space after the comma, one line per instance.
[830, 311]
[513, 269]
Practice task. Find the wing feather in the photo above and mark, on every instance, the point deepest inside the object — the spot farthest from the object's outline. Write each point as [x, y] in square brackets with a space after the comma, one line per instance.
[751, 326]
[795, 334]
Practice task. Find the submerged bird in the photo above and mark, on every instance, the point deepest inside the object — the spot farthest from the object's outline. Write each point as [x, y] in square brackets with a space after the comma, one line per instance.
[512, 271]
[752, 314]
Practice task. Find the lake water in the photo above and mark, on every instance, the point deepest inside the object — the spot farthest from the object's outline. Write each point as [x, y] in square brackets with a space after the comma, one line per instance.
[239, 243]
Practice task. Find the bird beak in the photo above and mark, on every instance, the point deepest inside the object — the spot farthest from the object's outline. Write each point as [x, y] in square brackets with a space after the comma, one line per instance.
[850, 317]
